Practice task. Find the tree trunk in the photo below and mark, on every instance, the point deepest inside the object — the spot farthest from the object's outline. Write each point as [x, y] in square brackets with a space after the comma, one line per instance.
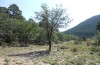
[49, 42]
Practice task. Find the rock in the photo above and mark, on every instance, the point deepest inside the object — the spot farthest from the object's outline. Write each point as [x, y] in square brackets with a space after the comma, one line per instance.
[1, 47]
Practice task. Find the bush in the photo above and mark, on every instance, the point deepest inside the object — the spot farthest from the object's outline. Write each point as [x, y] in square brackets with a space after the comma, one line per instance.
[77, 42]
[54, 63]
[98, 54]
[15, 44]
[4, 44]
[95, 49]
[24, 45]
[91, 53]
[74, 49]
[77, 62]
[67, 63]
[98, 38]
[92, 63]
[62, 47]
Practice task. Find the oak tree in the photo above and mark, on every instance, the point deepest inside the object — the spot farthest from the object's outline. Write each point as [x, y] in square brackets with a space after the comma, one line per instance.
[52, 19]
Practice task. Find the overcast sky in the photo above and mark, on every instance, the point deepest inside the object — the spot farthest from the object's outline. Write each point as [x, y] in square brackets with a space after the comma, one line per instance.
[79, 10]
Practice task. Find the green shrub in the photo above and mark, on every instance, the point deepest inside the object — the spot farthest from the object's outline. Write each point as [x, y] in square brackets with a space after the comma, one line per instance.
[95, 49]
[92, 63]
[91, 53]
[62, 47]
[77, 62]
[98, 54]
[67, 63]
[4, 45]
[15, 44]
[77, 42]
[7, 60]
[54, 63]
[74, 49]
[98, 38]
[88, 43]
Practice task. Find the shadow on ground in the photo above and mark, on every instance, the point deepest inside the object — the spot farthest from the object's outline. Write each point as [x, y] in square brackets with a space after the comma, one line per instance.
[32, 54]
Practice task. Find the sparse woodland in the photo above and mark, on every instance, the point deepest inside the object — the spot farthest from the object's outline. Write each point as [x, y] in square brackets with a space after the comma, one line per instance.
[28, 42]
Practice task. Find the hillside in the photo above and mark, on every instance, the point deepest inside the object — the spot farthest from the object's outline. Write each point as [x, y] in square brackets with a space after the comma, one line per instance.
[85, 29]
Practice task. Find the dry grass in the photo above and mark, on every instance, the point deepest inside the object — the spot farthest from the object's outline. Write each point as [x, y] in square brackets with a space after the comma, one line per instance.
[61, 54]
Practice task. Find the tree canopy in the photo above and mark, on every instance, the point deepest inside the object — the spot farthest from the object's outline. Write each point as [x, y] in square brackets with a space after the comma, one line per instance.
[52, 19]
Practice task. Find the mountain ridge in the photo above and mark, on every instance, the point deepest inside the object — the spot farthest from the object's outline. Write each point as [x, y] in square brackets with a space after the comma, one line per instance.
[86, 28]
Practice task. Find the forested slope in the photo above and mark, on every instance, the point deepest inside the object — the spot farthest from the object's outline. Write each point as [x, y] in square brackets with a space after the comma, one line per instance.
[85, 29]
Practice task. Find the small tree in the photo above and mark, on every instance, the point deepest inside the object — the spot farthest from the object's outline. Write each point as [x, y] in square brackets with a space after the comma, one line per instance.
[98, 33]
[98, 26]
[52, 19]
[98, 38]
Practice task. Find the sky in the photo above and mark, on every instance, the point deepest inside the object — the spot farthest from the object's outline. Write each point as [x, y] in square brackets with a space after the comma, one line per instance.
[79, 10]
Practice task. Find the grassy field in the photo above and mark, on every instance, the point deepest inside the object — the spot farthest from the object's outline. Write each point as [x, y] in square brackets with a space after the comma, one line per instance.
[61, 54]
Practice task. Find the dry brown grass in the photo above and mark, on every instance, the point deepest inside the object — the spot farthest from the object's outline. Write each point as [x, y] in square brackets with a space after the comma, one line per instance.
[61, 54]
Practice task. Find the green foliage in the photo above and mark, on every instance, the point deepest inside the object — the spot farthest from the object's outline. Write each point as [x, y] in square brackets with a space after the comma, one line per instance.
[97, 36]
[74, 49]
[6, 61]
[15, 12]
[55, 37]
[61, 37]
[77, 42]
[51, 20]
[71, 37]
[66, 37]
[15, 30]
[98, 33]
[98, 26]
[95, 49]
[78, 62]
